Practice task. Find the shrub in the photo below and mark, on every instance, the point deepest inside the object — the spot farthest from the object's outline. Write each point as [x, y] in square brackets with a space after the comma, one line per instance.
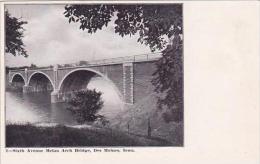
[85, 105]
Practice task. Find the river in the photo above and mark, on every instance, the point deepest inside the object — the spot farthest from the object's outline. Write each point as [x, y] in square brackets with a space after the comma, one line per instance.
[36, 108]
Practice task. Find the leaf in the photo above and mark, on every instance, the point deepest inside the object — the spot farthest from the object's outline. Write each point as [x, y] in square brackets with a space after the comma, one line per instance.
[72, 18]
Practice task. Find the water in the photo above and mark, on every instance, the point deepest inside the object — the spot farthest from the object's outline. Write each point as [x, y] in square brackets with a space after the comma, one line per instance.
[36, 108]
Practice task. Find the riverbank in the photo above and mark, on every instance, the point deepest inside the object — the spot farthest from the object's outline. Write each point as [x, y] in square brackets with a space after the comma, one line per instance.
[59, 136]
[138, 117]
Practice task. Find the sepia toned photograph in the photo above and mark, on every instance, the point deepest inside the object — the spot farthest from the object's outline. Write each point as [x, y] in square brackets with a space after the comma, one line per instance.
[88, 75]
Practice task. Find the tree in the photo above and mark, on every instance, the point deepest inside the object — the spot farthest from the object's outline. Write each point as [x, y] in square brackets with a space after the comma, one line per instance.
[33, 66]
[14, 34]
[168, 79]
[59, 66]
[7, 69]
[156, 25]
[67, 65]
[81, 63]
[85, 104]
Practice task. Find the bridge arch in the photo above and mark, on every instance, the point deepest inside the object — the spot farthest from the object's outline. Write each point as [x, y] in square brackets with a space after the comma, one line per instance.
[94, 72]
[42, 73]
[19, 75]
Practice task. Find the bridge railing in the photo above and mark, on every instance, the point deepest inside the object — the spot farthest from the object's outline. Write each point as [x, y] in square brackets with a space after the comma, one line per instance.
[136, 58]
[37, 68]
[16, 70]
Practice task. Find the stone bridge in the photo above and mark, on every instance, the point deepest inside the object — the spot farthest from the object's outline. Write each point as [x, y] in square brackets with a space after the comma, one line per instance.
[130, 77]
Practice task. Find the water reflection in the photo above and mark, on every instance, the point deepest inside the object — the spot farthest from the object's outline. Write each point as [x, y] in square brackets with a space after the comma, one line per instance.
[37, 107]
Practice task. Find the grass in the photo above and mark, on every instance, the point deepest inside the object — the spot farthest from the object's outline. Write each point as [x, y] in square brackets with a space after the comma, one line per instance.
[136, 117]
[62, 136]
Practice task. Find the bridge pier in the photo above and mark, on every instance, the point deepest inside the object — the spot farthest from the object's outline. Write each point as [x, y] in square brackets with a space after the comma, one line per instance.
[128, 80]
[55, 97]
[27, 89]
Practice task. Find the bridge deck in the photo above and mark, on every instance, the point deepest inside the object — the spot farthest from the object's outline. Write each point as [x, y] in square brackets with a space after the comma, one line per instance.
[109, 61]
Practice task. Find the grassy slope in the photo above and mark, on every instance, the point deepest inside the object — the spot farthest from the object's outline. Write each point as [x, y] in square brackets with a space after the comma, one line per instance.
[137, 117]
[32, 136]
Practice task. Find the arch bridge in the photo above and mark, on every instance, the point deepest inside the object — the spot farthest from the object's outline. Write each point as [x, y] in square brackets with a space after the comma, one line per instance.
[130, 77]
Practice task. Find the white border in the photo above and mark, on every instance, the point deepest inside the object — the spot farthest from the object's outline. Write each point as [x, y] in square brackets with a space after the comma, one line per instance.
[221, 92]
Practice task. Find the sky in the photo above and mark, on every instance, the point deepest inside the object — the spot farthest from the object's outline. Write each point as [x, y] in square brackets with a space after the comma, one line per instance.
[50, 39]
